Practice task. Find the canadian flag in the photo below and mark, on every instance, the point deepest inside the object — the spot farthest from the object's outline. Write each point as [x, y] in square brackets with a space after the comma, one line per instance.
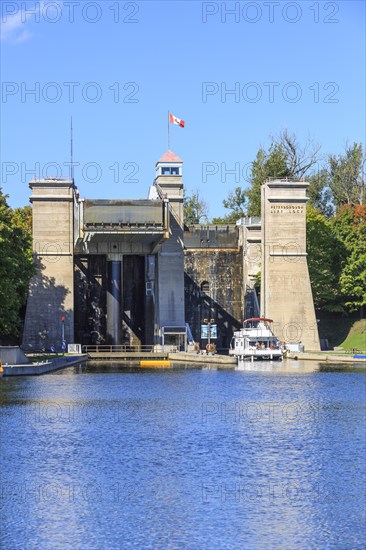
[175, 120]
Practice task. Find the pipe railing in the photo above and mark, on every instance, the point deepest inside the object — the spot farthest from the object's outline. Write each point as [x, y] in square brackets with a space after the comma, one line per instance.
[117, 348]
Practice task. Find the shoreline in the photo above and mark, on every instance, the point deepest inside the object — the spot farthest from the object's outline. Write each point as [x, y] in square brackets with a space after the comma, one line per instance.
[325, 357]
[230, 360]
[225, 361]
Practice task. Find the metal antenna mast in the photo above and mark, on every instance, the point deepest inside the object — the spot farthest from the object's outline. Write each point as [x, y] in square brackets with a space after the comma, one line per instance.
[71, 155]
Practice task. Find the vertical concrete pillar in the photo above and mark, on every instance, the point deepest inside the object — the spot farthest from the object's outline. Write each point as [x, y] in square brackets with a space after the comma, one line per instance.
[51, 292]
[114, 296]
[286, 295]
[149, 298]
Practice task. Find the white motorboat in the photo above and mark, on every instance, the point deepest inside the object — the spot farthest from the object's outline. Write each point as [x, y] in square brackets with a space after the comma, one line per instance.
[256, 341]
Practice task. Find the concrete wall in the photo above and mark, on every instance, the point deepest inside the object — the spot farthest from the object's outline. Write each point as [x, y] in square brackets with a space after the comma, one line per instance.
[286, 295]
[12, 355]
[250, 239]
[221, 268]
[171, 187]
[51, 293]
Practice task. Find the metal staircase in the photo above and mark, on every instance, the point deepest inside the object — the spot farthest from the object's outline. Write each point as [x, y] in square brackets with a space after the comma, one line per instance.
[251, 304]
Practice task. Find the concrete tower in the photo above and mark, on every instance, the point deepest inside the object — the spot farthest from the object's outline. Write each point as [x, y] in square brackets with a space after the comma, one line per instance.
[169, 182]
[170, 257]
[50, 307]
[286, 295]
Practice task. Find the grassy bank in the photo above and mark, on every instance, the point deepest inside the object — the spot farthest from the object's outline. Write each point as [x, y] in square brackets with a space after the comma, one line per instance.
[339, 329]
[356, 339]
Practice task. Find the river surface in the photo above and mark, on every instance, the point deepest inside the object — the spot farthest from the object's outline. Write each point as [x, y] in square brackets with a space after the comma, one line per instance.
[187, 458]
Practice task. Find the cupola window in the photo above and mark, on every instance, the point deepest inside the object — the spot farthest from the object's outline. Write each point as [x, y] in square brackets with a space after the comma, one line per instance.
[170, 171]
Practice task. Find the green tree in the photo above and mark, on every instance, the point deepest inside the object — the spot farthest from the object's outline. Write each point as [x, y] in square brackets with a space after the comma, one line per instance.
[346, 177]
[16, 266]
[320, 194]
[299, 159]
[247, 202]
[228, 219]
[236, 203]
[271, 164]
[324, 252]
[285, 158]
[195, 209]
[349, 226]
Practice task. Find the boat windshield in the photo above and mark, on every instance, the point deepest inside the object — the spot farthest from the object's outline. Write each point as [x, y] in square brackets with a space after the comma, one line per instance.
[258, 322]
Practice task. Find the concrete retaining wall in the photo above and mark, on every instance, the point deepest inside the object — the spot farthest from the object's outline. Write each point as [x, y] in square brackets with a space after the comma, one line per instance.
[202, 358]
[325, 357]
[12, 355]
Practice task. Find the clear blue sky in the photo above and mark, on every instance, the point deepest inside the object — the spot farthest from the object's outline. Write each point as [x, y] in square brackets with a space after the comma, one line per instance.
[158, 56]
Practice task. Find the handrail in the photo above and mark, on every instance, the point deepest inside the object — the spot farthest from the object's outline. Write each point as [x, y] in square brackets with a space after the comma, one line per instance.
[115, 348]
[285, 179]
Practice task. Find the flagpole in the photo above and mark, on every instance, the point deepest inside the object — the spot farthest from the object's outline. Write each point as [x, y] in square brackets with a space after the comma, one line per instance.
[168, 131]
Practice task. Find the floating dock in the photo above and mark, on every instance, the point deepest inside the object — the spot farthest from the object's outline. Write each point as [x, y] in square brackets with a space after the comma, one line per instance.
[42, 367]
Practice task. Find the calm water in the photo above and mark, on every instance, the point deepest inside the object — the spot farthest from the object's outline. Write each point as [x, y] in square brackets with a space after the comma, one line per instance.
[188, 458]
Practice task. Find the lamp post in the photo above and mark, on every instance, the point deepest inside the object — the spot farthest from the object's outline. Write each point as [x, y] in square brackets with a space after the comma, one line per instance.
[209, 322]
[63, 334]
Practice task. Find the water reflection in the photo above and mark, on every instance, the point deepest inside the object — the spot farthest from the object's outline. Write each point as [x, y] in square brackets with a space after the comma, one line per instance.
[300, 366]
[286, 366]
[289, 366]
[184, 458]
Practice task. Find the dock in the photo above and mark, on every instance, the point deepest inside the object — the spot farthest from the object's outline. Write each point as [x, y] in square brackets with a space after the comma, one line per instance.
[125, 353]
[43, 367]
[328, 357]
[203, 358]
